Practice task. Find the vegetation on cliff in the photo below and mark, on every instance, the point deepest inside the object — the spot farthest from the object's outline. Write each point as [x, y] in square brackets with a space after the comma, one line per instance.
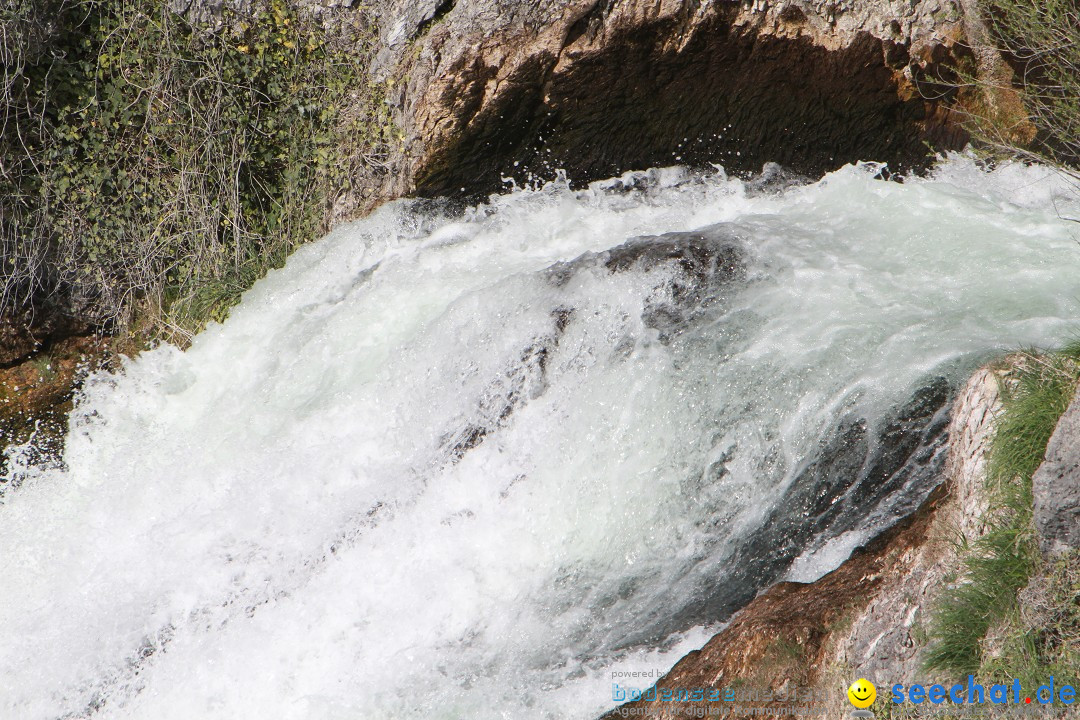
[985, 625]
[153, 165]
[1041, 41]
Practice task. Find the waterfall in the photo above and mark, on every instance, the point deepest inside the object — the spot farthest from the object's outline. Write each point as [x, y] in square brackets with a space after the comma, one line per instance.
[468, 464]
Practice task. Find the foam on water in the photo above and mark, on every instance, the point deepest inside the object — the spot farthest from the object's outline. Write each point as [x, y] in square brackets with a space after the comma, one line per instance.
[411, 476]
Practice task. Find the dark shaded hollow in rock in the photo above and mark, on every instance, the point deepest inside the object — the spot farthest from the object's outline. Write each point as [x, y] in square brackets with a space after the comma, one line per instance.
[728, 95]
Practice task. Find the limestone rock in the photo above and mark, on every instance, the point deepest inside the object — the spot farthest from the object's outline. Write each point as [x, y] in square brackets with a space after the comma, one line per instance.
[1056, 486]
[489, 89]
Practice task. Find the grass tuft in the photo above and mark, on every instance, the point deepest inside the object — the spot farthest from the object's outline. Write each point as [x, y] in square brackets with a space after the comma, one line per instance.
[1000, 563]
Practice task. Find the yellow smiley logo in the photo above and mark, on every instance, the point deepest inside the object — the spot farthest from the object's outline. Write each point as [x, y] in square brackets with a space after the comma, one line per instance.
[862, 693]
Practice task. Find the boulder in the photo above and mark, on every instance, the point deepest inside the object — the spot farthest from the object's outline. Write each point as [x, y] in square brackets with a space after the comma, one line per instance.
[1056, 486]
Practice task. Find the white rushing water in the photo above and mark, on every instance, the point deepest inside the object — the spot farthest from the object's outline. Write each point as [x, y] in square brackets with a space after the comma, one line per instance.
[419, 474]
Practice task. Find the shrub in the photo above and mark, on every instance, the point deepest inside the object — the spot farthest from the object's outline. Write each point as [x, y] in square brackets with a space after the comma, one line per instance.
[1041, 40]
[164, 167]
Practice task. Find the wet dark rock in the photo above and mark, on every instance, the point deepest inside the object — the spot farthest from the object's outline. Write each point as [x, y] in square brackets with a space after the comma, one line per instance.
[773, 180]
[35, 398]
[701, 262]
[692, 269]
[524, 380]
[704, 256]
[862, 477]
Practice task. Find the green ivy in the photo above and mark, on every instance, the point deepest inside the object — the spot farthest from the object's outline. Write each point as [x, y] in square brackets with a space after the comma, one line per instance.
[171, 166]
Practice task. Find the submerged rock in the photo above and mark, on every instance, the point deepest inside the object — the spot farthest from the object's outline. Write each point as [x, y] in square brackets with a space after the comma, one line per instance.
[862, 478]
[36, 395]
[692, 269]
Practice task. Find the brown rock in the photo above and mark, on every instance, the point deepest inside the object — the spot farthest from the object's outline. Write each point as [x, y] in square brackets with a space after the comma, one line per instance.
[864, 619]
[36, 396]
[595, 87]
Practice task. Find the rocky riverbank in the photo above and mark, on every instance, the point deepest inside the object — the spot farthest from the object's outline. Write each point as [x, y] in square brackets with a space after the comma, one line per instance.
[596, 87]
[867, 617]
[871, 617]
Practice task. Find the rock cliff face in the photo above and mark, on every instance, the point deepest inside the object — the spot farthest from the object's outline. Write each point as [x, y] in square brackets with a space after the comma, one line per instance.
[1056, 486]
[864, 619]
[488, 90]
